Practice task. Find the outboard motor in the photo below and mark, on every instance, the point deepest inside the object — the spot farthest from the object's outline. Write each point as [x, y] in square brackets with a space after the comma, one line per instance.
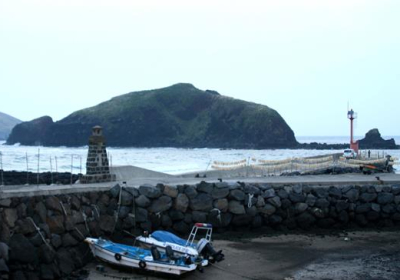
[208, 252]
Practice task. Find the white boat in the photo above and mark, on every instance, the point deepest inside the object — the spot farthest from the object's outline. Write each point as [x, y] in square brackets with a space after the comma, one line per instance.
[203, 248]
[134, 257]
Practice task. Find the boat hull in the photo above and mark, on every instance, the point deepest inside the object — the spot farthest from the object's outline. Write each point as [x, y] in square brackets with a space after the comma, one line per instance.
[143, 261]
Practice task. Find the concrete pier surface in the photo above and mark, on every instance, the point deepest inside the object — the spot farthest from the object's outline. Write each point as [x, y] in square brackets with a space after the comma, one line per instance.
[135, 176]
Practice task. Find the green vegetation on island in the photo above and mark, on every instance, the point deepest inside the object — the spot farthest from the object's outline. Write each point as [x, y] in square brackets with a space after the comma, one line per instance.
[176, 116]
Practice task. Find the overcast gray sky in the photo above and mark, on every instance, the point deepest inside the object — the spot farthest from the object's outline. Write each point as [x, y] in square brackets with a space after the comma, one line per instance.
[307, 59]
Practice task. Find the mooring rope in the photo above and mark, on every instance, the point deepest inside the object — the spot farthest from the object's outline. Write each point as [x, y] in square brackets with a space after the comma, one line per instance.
[86, 224]
[218, 215]
[250, 203]
[41, 235]
[80, 233]
[97, 211]
[119, 207]
[63, 208]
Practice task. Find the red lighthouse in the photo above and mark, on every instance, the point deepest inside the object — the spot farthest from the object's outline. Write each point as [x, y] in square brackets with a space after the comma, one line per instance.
[351, 115]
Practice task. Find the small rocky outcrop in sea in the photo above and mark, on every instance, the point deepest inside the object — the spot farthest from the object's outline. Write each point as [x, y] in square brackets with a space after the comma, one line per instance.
[373, 140]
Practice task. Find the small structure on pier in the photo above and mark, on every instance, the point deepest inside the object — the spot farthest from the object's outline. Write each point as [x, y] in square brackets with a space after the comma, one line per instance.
[97, 163]
[351, 115]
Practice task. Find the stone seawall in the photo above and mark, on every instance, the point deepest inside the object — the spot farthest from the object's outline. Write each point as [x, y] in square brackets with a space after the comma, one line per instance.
[30, 178]
[42, 237]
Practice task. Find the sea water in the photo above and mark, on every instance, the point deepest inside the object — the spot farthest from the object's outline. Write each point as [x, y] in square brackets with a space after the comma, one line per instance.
[167, 160]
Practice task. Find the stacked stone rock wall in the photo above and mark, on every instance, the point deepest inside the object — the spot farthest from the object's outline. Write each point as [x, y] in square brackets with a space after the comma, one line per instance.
[45, 178]
[45, 234]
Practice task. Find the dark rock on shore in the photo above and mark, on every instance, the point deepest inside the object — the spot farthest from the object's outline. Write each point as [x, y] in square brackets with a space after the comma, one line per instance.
[373, 140]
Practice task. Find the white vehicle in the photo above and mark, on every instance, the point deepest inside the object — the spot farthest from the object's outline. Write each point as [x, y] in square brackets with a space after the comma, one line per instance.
[349, 153]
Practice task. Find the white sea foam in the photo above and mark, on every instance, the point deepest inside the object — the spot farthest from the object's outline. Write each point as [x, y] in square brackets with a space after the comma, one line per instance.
[168, 160]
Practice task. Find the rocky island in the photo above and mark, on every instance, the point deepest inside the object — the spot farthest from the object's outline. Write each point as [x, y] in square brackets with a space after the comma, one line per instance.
[373, 140]
[176, 116]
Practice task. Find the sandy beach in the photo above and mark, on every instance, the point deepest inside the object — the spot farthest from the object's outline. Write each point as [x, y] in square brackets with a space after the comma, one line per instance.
[356, 255]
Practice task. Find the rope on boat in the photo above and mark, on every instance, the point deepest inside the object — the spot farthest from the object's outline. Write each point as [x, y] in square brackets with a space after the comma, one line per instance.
[234, 273]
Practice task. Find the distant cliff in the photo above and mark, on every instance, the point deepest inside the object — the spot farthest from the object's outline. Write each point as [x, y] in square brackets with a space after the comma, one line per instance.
[7, 123]
[177, 116]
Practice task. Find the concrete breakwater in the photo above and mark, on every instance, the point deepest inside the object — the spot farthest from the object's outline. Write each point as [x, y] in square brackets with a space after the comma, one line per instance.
[41, 237]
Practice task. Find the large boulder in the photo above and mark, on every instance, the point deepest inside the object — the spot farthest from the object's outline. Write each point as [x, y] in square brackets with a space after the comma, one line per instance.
[160, 204]
[202, 202]
[22, 250]
[56, 224]
[10, 216]
[149, 191]
[126, 198]
[53, 203]
[205, 187]
[171, 191]
[142, 201]
[275, 201]
[107, 223]
[181, 202]
[221, 204]
[268, 209]
[236, 207]
[65, 261]
[237, 194]
[385, 198]
[220, 192]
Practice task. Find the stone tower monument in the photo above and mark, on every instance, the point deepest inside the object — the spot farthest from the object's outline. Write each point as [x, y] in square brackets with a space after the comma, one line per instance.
[97, 165]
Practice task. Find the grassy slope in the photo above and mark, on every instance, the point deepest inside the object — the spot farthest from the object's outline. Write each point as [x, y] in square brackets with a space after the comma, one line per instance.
[177, 116]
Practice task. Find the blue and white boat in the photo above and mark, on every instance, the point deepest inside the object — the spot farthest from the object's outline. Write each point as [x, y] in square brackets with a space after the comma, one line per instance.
[135, 257]
[201, 248]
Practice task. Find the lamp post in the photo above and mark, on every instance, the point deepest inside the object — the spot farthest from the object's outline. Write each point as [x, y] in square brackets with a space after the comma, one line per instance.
[351, 115]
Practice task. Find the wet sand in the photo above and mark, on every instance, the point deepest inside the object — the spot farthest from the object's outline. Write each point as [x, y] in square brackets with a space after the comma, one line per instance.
[356, 255]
